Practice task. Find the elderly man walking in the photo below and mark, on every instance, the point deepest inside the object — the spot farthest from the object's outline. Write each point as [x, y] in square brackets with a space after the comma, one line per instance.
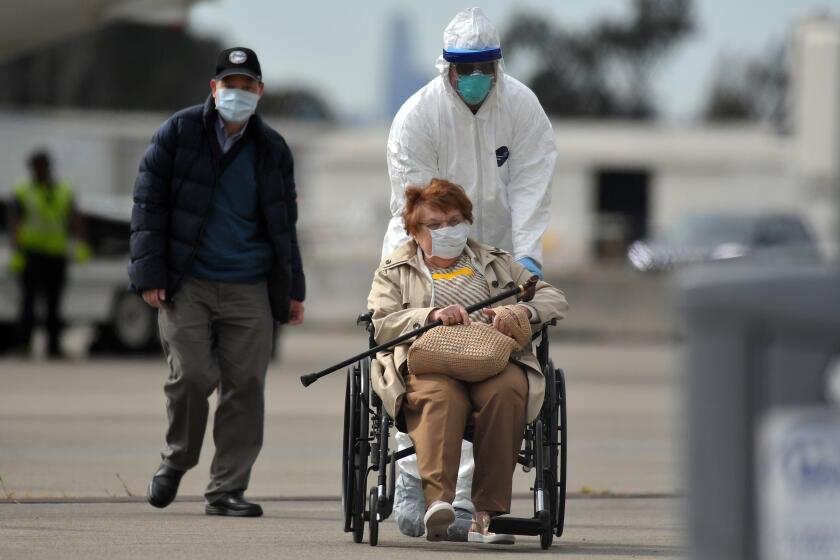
[214, 248]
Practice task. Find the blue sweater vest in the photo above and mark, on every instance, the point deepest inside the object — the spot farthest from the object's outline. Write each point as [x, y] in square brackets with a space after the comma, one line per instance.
[233, 247]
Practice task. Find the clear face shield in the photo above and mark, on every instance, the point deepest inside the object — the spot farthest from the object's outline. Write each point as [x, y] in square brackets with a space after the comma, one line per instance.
[472, 73]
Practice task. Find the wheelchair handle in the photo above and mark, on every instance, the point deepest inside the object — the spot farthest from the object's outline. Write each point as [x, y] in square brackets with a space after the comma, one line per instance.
[524, 292]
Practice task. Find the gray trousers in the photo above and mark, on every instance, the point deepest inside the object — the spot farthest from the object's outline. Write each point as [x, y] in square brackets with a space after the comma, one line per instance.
[216, 335]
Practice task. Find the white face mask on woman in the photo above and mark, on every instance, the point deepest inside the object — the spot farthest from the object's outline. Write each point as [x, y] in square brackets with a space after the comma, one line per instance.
[449, 242]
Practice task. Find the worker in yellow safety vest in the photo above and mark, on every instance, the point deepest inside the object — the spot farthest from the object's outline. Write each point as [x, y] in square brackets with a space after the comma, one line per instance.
[43, 218]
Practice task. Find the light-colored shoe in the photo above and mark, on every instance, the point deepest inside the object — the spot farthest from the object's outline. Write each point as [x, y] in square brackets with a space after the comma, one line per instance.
[438, 518]
[480, 531]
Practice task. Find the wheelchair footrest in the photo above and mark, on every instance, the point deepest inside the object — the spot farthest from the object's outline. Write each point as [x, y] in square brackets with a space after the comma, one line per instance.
[516, 525]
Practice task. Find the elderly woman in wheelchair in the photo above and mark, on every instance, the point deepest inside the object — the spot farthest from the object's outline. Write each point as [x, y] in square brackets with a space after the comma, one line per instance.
[435, 276]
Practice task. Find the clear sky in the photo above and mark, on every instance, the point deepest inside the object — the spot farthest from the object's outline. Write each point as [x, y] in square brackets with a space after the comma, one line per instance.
[338, 47]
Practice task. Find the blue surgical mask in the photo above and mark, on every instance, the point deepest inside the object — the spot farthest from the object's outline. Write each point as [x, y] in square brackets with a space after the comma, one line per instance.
[449, 242]
[236, 105]
[475, 87]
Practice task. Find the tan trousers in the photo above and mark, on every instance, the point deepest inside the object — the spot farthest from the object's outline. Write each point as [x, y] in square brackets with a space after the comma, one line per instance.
[437, 409]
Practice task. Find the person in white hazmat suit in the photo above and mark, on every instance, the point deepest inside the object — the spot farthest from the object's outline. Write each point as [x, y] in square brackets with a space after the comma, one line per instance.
[482, 129]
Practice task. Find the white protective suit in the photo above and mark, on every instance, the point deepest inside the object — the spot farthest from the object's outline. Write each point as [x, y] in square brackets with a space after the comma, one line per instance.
[435, 135]
[503, 156]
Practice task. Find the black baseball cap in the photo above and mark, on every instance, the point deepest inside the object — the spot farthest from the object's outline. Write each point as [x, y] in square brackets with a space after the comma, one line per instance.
[238, 60]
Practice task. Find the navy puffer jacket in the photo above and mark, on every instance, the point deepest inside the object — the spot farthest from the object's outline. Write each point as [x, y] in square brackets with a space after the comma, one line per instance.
[173, 195]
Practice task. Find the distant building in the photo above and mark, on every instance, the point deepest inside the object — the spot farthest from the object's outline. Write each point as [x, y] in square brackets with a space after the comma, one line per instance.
[815, 100]
[614, 182]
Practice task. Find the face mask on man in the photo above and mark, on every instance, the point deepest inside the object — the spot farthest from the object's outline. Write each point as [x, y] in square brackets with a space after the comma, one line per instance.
[236, 105]
[475, 87]
[449, 242]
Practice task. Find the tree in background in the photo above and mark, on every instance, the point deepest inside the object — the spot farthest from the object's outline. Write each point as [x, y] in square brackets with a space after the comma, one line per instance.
[749, 89]
[132, 66]
[604, 71]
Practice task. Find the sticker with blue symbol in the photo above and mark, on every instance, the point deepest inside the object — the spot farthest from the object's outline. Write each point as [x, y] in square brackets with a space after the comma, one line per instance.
[502, 155]
[798, 468]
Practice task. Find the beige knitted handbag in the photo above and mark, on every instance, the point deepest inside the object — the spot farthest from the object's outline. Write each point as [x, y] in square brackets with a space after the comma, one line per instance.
[473, 352]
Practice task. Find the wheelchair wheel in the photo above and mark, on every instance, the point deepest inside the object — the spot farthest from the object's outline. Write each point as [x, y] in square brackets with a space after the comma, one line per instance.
[361, 449]
[373, 522]
[348, 437]
[547, 534]
[355, 451]
[550, 423]
[543, 503]
[562, 408]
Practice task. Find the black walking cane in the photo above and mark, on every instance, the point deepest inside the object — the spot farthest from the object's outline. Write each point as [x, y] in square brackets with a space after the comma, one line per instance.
[524, 292]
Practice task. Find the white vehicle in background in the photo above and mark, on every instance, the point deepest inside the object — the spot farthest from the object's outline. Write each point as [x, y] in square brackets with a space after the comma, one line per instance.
[96, 293]
[759, 237]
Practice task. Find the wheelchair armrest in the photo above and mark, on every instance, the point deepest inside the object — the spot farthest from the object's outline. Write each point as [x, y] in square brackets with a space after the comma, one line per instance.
[365, 318]
[544, 328]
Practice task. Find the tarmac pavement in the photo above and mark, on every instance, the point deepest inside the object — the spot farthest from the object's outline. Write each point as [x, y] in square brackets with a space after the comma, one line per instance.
[79, 440]
[598, 528]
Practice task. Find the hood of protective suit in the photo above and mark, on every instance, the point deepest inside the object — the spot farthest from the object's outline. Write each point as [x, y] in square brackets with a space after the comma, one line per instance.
[470, 30]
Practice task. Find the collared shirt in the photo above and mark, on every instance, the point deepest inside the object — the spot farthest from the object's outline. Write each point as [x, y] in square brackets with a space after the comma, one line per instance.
[472, 263]
[226, 141]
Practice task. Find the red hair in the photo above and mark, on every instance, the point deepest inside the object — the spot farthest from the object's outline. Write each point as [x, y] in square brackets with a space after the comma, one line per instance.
[439, 194]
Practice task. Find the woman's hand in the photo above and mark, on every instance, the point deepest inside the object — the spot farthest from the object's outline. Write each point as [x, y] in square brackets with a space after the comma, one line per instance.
[450, 315]
[498, 324]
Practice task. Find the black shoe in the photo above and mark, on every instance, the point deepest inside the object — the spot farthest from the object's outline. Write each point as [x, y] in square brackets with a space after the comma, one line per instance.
[164, 486]
[233, 504]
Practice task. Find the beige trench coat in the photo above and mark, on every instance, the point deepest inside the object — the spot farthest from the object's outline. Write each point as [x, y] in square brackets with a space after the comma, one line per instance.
[400, 298]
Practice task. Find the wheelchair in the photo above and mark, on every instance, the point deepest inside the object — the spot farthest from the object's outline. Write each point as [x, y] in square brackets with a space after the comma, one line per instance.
[365, 450]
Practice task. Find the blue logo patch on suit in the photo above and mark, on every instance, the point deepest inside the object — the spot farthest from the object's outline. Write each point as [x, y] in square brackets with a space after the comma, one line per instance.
[502, 155]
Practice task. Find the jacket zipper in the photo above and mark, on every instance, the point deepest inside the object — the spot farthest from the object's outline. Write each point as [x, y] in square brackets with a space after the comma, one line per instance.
[479, 197]
[206, 214]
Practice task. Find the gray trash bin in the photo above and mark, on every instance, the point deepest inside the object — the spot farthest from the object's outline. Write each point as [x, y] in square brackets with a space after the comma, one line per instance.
[758, 340]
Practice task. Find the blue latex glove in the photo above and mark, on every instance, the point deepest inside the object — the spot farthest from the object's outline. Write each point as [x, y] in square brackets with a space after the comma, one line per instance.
[532, 266]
